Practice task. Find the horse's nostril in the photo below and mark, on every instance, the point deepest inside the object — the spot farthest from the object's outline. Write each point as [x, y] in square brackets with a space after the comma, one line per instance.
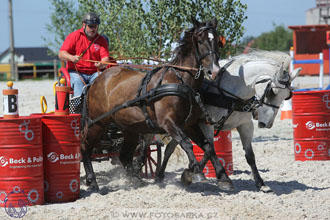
[261, 125]
[255, 115]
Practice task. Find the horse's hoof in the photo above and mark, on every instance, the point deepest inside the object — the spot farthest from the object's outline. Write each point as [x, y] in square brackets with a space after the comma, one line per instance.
[135, 181]
[93, 188]
[159, 179]
[226, 185]
[186, 177]
[265, 189]
[137, 166]
[198, 177]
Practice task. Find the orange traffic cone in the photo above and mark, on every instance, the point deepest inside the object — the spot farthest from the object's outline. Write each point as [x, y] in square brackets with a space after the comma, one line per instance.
[286, 110]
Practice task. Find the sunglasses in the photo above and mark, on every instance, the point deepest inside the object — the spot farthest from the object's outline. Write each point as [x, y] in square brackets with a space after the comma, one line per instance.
[92, 26]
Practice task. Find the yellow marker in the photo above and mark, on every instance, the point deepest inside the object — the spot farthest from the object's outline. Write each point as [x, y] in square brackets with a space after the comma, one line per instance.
[55, 83]
[10, 84]
[62, 81]
[42, 102]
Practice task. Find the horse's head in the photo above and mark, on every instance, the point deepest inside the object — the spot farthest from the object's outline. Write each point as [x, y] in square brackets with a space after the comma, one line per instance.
[273, 91]
[207, 44]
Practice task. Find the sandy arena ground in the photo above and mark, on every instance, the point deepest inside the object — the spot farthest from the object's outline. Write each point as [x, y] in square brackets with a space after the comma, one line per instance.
[301, 189]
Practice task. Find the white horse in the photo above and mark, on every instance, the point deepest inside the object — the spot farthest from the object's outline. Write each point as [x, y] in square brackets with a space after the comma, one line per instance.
[257, 81]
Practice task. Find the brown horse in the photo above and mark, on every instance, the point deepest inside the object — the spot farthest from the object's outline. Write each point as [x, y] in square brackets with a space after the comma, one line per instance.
[163, 101]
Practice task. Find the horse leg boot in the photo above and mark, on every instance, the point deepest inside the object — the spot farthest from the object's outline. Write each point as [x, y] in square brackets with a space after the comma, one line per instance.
[193, 174]
[206, 141]
[89, 135]
[139, 161]
[160, 173]
[224, 182]
[246, 135]
[90, 175]
[126, 156]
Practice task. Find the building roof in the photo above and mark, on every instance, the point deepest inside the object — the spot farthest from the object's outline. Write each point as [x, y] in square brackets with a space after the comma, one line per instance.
[310, 27]
[31, 54]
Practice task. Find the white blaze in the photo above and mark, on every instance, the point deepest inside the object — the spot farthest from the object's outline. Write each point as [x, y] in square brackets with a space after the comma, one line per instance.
[211, 36]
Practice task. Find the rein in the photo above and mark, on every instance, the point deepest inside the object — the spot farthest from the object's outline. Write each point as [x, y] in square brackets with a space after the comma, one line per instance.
[144, 66]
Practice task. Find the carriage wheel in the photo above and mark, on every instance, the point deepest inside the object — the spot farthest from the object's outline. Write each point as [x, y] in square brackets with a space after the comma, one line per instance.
[153, 159]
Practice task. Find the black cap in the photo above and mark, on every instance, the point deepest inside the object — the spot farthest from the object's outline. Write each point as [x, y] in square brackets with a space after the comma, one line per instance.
[91, 18]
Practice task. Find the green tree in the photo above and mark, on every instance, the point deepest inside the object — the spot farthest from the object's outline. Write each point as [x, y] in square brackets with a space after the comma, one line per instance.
[63, 21]
[280, 39]
[147, 27]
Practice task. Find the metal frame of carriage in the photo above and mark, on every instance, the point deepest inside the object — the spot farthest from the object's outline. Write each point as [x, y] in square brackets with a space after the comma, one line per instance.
[151, 162]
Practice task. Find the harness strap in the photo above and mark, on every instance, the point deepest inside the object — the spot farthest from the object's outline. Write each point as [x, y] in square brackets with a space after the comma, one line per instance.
[171, 89]
[223, 101]
[219, 124]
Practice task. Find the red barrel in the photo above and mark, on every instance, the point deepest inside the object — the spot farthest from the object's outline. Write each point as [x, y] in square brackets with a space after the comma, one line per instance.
[21, 162]
[223, 149]
[61, 141]
[311, 125]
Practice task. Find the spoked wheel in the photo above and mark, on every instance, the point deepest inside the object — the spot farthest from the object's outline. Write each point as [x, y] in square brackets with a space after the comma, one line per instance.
[152, 161]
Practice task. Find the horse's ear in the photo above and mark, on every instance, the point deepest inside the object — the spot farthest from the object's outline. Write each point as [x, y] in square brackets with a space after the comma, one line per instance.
[214, 22]
[195, 22]
[295, 73]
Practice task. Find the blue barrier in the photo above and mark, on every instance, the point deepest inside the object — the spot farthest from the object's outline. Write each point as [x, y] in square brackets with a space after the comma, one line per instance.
[307, 61]
[314, 61]
[307, 89]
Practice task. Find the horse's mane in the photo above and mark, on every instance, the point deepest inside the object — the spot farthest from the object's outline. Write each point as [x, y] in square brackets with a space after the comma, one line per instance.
[184, 47]
[275, 57]
[262, 63]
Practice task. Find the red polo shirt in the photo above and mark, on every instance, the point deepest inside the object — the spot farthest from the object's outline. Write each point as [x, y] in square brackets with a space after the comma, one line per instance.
[76, 42]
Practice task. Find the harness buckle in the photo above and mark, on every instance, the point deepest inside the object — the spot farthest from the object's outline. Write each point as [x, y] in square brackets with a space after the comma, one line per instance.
[247, 107]
[253, 105]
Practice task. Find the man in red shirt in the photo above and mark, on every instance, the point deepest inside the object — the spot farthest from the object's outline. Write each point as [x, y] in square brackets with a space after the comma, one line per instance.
[74, 51]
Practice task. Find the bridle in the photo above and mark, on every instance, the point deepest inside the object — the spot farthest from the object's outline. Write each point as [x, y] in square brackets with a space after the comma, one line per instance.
[211, 51]
[268, 90]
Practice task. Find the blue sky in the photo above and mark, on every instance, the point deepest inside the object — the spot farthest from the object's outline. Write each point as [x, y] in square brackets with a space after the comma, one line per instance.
[31, 17]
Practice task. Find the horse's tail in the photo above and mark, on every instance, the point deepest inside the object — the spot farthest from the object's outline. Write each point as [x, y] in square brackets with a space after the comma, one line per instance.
[83, 134]
[84, 123]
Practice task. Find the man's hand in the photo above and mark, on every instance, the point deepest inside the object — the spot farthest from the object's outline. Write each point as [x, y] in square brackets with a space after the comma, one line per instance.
[100, 66]
[75, 58]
